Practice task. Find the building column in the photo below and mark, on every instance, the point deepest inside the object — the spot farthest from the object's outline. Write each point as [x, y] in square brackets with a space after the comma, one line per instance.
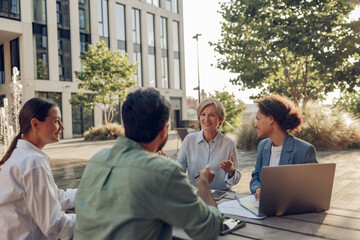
[144, 48]
[67, 114]
[112, 24]
[52, 40]
[74, 37]
[94, 21]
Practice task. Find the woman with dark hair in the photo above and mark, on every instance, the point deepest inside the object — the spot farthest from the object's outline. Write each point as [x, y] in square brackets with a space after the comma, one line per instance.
[30, 201]
[276, 117]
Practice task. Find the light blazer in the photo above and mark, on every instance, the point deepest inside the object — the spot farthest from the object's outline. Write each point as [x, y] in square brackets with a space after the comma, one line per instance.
[294, 151]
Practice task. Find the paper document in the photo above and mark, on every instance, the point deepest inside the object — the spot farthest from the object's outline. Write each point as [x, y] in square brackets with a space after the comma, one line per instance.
[234, 208]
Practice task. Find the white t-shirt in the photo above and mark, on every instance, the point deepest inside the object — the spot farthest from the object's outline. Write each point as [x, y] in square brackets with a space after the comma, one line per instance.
[275, 155]
[30, 201]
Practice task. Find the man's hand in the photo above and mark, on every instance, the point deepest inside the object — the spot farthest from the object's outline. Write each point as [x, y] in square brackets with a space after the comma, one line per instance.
[206, 176]
[228, 166]
[257, 194]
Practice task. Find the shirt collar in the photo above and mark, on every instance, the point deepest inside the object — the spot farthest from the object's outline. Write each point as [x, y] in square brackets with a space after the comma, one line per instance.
[200, 137]
[21, 143]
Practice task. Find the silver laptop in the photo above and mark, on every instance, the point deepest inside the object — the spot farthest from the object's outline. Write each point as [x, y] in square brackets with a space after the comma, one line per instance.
[293, 189]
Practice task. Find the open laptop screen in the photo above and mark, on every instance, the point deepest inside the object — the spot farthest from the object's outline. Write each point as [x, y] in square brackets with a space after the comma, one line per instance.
[298, 188]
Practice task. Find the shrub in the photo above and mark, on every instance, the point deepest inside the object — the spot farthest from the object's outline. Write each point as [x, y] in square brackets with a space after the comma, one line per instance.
[327, 128]
[247, 136]
[104, 132]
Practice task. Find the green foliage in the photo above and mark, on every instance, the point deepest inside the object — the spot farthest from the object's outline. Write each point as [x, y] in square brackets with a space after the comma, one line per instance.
[349, 102]
[107, 131]
[302, 49]
[247, 136]
[327, 128]
[234, 109]
[107, 75]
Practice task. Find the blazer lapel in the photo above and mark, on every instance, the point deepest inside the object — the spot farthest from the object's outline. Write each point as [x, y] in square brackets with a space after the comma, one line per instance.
[287, 150]
[267, 152]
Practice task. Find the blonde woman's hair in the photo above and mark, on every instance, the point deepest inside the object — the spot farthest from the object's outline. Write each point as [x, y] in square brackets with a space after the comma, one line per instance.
[220, 110]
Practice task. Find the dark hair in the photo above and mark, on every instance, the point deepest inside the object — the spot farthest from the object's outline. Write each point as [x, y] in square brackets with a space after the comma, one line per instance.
[34, 108]
[283, 110]
[144, 113]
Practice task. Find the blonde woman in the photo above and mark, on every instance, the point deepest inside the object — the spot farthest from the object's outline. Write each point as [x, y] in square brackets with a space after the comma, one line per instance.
[210, 147]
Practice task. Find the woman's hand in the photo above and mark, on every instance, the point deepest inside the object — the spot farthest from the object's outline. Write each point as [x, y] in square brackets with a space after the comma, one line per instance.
[257, 194]
[228, 166]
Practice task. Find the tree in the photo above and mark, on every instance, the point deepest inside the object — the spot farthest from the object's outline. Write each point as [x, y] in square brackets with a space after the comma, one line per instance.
[302, 49]
[234, 108]
[349, 102]
[107, 75]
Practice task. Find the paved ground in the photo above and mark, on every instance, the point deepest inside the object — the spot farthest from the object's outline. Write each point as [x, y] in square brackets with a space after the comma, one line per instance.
[69, 157]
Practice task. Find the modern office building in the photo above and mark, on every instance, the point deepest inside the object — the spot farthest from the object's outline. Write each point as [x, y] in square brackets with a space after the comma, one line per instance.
[45, 39]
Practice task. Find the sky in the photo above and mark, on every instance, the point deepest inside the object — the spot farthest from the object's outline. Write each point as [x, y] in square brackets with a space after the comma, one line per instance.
[201, 17]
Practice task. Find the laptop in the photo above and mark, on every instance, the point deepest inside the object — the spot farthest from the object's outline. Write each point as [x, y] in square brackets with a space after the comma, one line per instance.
[294, 189]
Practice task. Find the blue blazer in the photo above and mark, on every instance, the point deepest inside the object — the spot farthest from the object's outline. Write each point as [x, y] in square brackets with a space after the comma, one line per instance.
[294, 151]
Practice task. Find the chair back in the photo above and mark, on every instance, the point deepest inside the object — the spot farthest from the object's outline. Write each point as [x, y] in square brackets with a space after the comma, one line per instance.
[181, 132]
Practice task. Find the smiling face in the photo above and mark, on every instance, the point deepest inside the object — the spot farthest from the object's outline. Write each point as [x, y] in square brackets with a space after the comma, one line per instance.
[209, 118]
[263, 124]
[49, 131]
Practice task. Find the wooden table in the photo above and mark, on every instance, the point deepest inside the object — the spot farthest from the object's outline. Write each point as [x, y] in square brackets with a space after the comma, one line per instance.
[335, 223]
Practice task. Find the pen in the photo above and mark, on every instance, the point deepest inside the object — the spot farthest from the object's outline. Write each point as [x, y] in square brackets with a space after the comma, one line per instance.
[197, 176]
[237, 199]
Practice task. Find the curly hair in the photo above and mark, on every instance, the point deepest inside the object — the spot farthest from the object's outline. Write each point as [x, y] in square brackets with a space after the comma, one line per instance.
[283, 110]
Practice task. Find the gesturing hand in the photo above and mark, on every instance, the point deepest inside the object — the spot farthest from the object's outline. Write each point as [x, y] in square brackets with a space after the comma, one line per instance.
[228, 166]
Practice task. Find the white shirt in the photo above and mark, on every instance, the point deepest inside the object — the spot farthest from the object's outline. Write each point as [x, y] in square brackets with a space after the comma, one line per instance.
[275, 155]
[195, 153]
[30, 201]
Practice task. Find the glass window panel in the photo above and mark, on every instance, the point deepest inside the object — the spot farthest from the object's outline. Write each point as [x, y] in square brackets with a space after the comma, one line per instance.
[136, 26]
[138, 73]
[152, 70]
[40, 52]
[120, 22]
[177, 82]
[14, 52]
[39, 11]
[82, 18]
[2, 66]
[150, 30]
[176, 36]
[163, 33]
[164, 72]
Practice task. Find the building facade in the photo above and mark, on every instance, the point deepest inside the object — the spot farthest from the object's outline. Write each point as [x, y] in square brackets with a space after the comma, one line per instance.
[45, 39]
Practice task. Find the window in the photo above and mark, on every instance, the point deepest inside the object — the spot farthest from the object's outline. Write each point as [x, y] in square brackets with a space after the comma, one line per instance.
[151, 50]
[2, 67]
[58, 13]
[164, 54]
[84, 25]
[14, 52]
[82, 119]
[120, 28]
[172, 5]
[103, 20]
[137, 46]
[64, 55]
[39, 11]
[153, 2]
[10, 9]
[40, 49]
[82, 18]
[176, 47]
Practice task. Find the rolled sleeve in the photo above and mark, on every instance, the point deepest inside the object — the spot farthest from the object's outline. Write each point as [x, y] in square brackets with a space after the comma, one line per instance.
[185, 209]
[44, 207]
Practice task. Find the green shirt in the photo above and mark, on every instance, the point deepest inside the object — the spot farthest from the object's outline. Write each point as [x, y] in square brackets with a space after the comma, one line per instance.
[127, 192]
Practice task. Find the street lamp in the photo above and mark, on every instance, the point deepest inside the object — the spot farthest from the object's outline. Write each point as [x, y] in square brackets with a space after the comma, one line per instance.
[197, 49]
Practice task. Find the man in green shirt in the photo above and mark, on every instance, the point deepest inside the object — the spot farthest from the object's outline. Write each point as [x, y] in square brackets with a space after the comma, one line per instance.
[130, 192]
